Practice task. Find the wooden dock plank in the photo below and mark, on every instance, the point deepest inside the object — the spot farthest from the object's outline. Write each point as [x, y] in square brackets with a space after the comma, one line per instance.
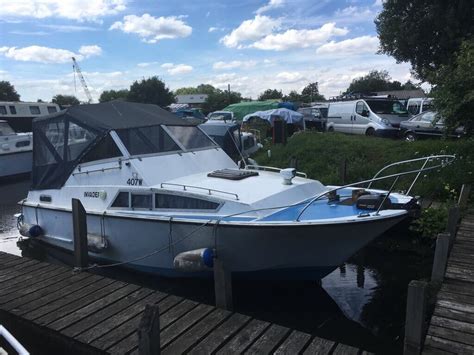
[119, 318]
[448, 346]
[93, 307]
[464, 327]
[294, 344]
[453, 335]
[196, 332]
[71, 307]
[244, 338]
[454, 314]
[319, 346]
[124, 339]
[216, 339]
[105, 312]
[342, 349]
[269, 340]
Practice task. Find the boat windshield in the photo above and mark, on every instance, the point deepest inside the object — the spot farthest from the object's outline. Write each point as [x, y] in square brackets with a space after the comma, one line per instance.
[390, 107]
[147, 140]
[191, 137]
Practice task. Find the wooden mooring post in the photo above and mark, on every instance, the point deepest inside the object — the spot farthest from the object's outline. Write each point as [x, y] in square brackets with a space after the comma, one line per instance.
[149, 331]
[79, 223]
[415, 317]
[222, 285]
[453, 219]
[440, 257]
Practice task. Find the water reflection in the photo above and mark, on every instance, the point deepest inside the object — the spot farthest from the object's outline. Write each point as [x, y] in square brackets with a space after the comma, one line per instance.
[361, 303]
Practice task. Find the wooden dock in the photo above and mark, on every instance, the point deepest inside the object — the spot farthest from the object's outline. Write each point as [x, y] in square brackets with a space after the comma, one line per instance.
[90, 314]
[451, 328]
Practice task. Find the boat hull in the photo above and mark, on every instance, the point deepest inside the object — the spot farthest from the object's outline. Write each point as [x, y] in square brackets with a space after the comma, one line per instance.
[291, 251]
[17, 163]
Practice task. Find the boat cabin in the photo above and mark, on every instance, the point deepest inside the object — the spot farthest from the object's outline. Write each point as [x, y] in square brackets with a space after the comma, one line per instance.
[20, 115]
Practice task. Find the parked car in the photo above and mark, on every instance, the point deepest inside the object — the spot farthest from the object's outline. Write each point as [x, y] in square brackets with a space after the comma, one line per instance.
[315, 117]
[425, 125]
[225, 116]
[419, 105]
[191, 114]
[369, 116]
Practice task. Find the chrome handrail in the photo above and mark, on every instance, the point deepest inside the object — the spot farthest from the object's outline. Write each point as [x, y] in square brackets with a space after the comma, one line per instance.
[425, 159]
[199, 188]
[272, 168]
[450, 158]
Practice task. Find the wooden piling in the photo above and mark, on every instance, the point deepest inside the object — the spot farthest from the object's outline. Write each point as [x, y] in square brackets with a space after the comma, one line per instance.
[79, 223]
[453, 219]
[464, 195]
[440, 257]
[222, 285]
[415, 317]
[149, 331]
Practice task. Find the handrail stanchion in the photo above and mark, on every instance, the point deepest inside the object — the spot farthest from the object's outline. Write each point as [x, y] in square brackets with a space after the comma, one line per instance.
[417, 175]
[386, 196]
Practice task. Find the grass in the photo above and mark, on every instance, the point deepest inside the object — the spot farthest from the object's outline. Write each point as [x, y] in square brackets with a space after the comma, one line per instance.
[320, 155]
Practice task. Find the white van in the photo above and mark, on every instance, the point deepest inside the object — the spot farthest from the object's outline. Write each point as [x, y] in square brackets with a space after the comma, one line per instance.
[369, 116]
[419, 105]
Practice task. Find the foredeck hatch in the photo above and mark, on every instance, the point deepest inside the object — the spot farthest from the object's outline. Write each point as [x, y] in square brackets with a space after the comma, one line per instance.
[232, 174]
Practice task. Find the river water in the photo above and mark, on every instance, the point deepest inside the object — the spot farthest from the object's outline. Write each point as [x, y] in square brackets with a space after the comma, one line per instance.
[362, 303]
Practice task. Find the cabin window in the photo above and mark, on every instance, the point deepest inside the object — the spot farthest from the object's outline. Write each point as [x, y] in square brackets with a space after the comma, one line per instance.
[190, 137]
[21, 144]
[105, 149]
[122, 200]
[35, 110]
[142, 201]
[52, 109]
[147, 140]
[12, 110]
[3, 110]
[168, 201]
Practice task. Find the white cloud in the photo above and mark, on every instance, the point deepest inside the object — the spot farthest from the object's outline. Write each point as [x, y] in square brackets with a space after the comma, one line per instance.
[175, 69]
[146, 64]
[289, 77]
[272, 4]
[300, 38]
[70, 9]
[250, 30]
[69, 28]
[153, 29]
[212, 29]
[48, 55]
[378, 3]
[89, 51]
[353, 46]
[234, 64]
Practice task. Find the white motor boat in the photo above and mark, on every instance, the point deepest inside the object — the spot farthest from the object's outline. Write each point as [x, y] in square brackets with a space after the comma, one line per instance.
[160, 194]
[16, 151]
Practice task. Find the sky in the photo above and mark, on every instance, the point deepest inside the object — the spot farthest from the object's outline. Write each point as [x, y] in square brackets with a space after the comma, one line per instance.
[252, 45]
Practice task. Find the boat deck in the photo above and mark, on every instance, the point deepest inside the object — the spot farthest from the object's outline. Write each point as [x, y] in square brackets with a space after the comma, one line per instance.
[452, 325]
[91, 314]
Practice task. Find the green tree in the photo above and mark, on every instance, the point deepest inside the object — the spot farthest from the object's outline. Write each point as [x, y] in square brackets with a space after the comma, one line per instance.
[425, 33]
[8, 92]
[293, 96]
[270, 94]
[373, 82]
[218, 99]
[186, 91]
[65, 100]
[109, 95]
[311, 93]
[151, 91]
[454, 88]
[409, 85]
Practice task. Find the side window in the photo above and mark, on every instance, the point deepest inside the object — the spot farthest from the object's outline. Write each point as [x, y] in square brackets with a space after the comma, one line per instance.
[52, 109]
[105, 149]
[3, 110]
[35, 110]
[121, 200]
[361, 109]
[142, 201]
[22, 144]
[13, 110]
[427, 117]
[167, 201]
[413, 108]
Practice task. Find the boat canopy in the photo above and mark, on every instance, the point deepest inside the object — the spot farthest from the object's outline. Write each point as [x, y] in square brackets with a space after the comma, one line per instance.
[81, 133]
[289, 116]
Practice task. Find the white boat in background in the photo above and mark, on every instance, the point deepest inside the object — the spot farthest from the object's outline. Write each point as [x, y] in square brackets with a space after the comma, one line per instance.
[20, 115]
[160, 194]
[16, 151]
